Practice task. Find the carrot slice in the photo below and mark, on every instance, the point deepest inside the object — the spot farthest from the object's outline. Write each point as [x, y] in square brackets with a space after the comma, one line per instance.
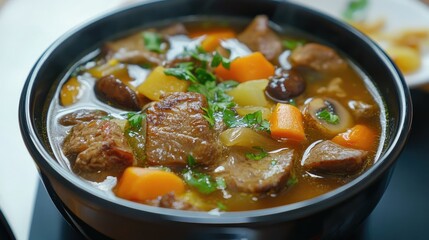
[359, 137]
[251, 67]
[140, 184]
[286, 122]
[213, 37]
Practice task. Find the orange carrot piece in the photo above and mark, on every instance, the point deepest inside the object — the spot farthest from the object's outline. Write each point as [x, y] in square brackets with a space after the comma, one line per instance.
[212, 36]
[212, 41]
[140, 184]
[286, 122]
[251, 67]
[359, 137]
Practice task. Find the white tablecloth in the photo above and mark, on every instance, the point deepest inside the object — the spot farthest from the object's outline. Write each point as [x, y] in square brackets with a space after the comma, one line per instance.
[27, 28]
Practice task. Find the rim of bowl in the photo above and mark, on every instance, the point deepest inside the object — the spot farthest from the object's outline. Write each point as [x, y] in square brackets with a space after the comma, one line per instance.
[299, 209]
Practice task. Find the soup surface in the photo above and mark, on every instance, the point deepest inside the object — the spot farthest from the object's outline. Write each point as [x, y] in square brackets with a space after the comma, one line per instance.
[216, 117]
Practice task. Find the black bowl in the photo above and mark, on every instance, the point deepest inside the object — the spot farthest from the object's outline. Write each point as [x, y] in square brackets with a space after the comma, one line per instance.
[98, 215]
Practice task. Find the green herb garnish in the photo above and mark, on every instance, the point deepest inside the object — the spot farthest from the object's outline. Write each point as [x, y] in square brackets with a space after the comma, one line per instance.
[191, 161]
[328, 116]
[218, 59]
[182, 71]
[292, 181]
[257, 156]
[152, 41]
[201, 181]
[292, 44]
[221, 206]
[251, 120]
[354, 9]
[135, 120]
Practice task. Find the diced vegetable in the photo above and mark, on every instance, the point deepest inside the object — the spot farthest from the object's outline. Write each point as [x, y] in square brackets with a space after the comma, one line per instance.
[246, 137]
[286, 122]
[407, 58]
[251, 93]
[251, 67]
[213, 37]
[242, 111]
[157, 83]
[112, 67]
[358, 137]
[140, 184]
[70, 92]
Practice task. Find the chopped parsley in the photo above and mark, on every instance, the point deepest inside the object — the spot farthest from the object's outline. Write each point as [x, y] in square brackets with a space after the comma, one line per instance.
[182, 71]
[292, 44]
[354, 9]
[257, 156]
[135, 120]
[328, 116]
[221, 206]
[292, 181]
[218, 59]
[152, 41]
[202, 182]
[251, 120]
[197, 53]
[191, 161]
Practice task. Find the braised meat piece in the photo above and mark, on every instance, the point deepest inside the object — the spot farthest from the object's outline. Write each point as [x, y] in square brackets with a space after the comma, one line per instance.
[112, 90]
[259, 37]
[176, 129]
[175, 29]
[170, 201]
[98, 149]
[328, 157]
[81, 115]
[132, 50]
[318, 57]
[269, 174]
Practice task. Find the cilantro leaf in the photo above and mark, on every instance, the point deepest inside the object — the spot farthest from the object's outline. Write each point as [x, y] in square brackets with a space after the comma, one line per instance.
[135, 120]
[257, 156]
[197, 53]
[221, 206]
[354, 8]
[204, 76]
[182, 71]
[191, 161]
[152, 41]
[292, 181]
[292, 44]
[328, 116]
[202, 182]
[218, 59]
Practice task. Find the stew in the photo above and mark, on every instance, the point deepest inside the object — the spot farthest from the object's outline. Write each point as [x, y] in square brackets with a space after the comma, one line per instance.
[214, 117]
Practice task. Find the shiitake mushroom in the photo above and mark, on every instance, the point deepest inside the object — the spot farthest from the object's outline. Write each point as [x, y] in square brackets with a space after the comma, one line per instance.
[285, 85]
[327, 115]
[113, 91]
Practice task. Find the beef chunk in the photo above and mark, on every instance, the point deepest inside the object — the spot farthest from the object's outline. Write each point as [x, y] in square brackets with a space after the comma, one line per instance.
[170, 201]
[132, 50]
[318, 57]
[97, 149]
[175, 29]
[81, 115]
[176, 128]
[259, 37]
[269, 174]
[114, 91]
[328, 157]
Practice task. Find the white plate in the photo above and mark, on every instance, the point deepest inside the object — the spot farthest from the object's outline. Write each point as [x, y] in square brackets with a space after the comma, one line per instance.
[399, 14]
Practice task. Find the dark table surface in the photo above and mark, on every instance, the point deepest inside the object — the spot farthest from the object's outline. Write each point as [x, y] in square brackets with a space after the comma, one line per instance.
[402, 213]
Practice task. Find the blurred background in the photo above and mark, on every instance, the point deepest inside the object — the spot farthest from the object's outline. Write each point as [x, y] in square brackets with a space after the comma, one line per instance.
[28, 27]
